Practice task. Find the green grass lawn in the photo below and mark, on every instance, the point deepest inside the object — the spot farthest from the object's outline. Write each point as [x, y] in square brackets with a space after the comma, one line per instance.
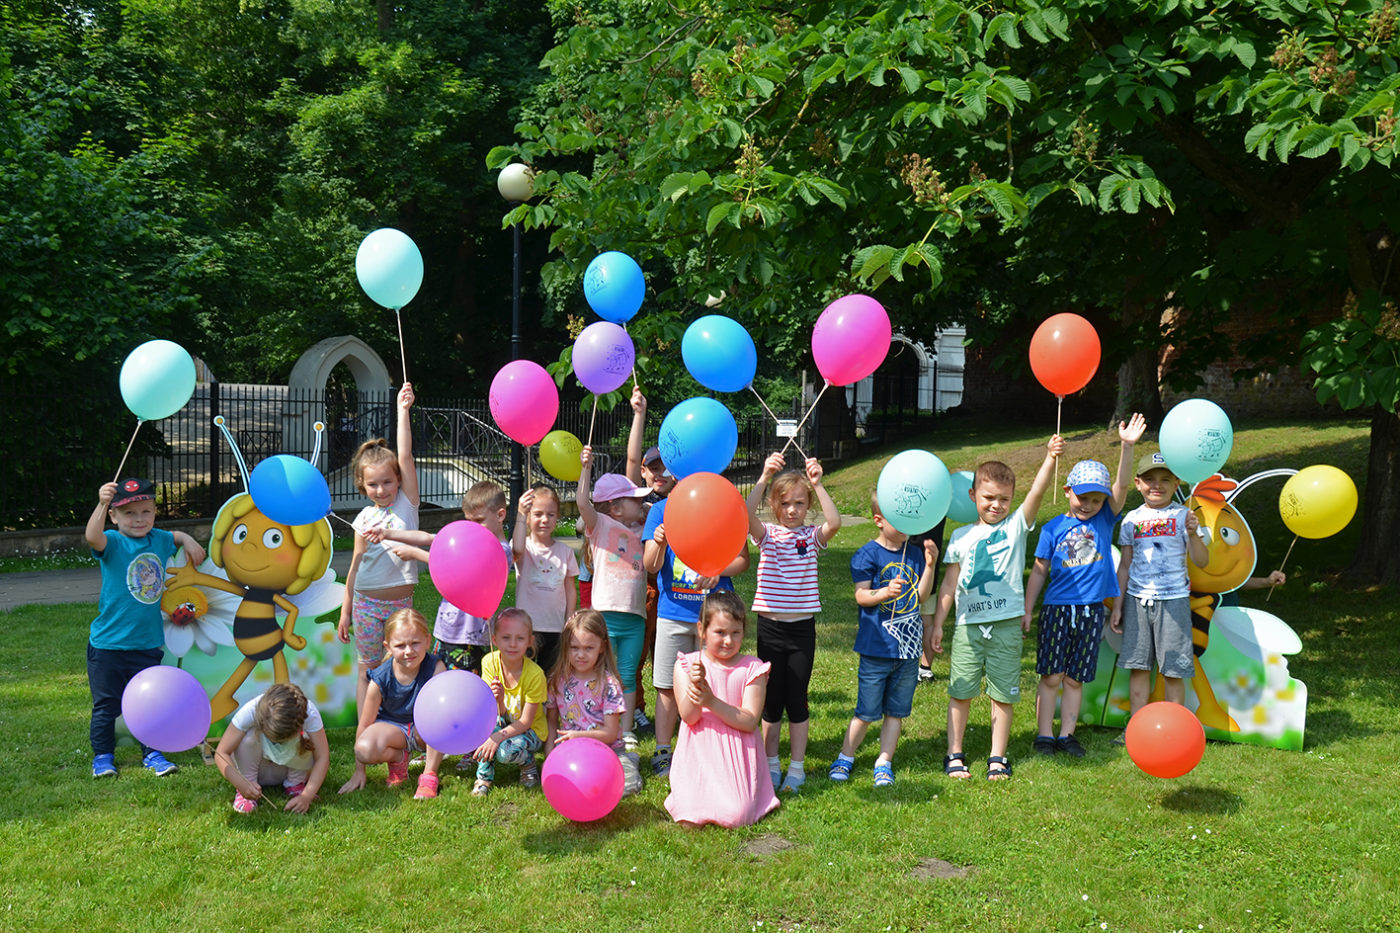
[1253, 839]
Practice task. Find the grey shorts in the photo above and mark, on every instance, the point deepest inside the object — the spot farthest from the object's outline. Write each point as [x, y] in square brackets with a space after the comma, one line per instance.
[1158, 631]
[672, 637]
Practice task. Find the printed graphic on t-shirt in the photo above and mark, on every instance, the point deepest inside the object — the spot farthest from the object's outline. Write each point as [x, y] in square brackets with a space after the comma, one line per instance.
[145, 578]
[684, 581]
[1155, 528]
[615, 544]
[985, 565]
[1078, 548]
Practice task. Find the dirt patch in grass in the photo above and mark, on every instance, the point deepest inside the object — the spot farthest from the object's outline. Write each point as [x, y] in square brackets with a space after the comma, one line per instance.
[768, 844]
[929, 869]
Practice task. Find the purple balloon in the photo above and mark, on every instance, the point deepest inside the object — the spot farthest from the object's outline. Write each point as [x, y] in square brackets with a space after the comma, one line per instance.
[455, 712]
[603, 357]
[166, 708]
[582, 780]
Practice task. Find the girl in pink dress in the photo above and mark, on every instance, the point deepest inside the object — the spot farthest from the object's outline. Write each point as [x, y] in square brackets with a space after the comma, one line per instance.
[719, 773]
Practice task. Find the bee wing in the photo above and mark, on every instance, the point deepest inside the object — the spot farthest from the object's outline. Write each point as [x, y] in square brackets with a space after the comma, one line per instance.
[321, 597]
[1255, 632]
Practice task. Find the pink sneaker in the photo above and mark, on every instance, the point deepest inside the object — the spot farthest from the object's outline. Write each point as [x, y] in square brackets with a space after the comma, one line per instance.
[243, 804]
[427, 787]
[398, 770]
[296, 789]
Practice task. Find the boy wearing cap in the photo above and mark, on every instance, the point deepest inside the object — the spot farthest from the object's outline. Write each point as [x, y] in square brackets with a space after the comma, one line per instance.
[1074, 551]
[1153, 610]
[127, 636]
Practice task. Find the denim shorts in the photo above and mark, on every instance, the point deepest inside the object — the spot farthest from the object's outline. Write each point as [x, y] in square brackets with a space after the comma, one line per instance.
[885, 687]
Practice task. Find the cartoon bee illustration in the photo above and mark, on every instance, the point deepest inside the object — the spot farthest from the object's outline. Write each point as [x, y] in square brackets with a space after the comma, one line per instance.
[265, 562]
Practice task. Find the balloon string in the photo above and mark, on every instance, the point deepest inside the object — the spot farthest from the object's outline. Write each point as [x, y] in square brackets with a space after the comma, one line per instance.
[122, 465]
[591, 419]
[792, 440]
[403, 358]
[776, 419]
[348, 524]
[1055, 489]
[1283, 563]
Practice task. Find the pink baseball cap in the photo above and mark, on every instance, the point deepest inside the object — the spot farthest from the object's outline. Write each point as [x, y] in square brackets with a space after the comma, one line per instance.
[612, 486]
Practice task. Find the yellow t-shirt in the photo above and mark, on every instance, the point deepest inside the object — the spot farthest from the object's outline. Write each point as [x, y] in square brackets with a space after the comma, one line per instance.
[530, 689]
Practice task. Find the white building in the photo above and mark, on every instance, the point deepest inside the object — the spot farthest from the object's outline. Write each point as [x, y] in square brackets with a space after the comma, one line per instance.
[935, 376]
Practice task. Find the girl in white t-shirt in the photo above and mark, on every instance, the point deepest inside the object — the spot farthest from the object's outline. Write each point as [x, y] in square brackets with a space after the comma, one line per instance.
[276, 738]
[546, 572]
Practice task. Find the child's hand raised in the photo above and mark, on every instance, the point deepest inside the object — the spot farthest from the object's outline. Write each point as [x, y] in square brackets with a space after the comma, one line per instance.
[814, 471]
[930, 552]
[585, 457]
[406, 396]
[106, 493]
[526, 501]
[773, 465]
[1056, 446]
[1131, 431]
[639, 401]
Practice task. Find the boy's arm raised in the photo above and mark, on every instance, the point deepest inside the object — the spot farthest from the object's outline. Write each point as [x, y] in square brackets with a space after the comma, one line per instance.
[94, 532]
[1043, 477]
[1129, 433]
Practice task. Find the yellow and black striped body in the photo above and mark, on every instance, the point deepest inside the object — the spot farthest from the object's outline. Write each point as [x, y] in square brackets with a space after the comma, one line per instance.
[255, 629]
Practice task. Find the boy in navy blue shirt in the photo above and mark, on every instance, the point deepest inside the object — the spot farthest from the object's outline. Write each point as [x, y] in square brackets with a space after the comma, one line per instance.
[1075, 550]
[892, 580]
[127, 636]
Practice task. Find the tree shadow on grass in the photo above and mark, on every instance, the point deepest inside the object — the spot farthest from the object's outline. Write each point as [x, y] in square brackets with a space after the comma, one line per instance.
[1200, 799]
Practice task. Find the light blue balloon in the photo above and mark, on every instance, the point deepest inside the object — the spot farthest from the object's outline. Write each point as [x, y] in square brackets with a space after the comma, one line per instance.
[289, 490]
[698, 436]
[719, 353]
[614, 286]
[389, 267]
[1196, 438]
[961, 508]
[914, 490]
[157, 379]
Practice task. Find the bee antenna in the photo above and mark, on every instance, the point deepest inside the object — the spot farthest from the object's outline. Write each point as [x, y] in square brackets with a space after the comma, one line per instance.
[233, 445]
[320, 428]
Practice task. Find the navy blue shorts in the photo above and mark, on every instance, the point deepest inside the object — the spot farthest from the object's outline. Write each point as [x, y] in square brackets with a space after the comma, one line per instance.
[1067, 641]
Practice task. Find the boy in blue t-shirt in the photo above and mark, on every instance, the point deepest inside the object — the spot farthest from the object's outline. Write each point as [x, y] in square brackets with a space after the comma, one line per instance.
[889, 640]
[1075, 550]
[127, 636]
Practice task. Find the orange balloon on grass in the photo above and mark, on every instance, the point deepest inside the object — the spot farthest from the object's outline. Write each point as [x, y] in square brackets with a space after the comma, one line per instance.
[706, 522]
[1065, 353]
[1165, 740]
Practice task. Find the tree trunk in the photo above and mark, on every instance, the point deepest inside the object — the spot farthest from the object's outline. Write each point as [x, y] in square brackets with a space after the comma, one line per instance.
[1377, 558]
[384, 12]
[1138, 389]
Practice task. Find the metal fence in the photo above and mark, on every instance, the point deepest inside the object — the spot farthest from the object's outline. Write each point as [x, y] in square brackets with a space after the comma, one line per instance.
[455, 444]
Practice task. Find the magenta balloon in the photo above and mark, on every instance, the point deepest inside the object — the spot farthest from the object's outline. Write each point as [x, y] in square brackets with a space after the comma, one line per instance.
[455, 712]
[582, 780]
[469, 568]
[524, 401]
[166, 708]
[851, 339]
[603, 357]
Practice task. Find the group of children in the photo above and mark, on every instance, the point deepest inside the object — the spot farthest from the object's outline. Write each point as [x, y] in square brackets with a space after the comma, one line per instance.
[561, 668]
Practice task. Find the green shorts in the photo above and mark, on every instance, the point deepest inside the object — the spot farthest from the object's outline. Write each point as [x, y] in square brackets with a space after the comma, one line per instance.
[993, 649]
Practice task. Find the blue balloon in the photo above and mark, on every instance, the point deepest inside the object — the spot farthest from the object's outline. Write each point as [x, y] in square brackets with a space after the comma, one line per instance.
[698, 436]
[389, 267]
[961, 507]
[614, 286]
[1196, 438]
[289, 490]
[914, 490]
[157, 379]
[719, 353]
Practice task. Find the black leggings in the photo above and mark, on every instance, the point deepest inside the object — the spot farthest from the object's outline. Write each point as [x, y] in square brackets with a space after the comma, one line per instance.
[789, 647]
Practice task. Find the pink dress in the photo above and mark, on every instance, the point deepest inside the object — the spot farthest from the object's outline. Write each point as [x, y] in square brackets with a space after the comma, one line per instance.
[719, 774]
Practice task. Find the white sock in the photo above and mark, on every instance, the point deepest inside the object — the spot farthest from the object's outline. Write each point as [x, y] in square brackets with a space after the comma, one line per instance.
[883, 759]
[774, 763]
[796, 769]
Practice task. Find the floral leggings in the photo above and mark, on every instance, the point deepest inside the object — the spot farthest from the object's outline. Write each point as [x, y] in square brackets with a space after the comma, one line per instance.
[516, 750]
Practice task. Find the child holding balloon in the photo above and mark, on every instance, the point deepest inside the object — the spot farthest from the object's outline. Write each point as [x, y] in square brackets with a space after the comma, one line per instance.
[718, 775]
[520, 690]
[127, 636]
[545, 571]
[385, 732]
[786, 601]
[275, 739]
[379, 582]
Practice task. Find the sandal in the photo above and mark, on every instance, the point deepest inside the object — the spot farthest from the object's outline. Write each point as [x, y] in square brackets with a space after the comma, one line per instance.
[959, 770]
[840, 769]
[1000, 774]
[884, 774]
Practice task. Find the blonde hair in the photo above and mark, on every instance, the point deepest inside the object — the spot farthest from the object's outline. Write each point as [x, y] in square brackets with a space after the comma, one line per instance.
[373, 453]
[543, 489]
[511, 612]
[727, 602]
[784, 483]
[406, 617]
[313, 539]
[281, 714]
[588, 621]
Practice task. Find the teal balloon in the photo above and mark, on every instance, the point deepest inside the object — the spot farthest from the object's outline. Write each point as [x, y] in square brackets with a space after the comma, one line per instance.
[914, 491]
[157, 379]
[961, 508]
[389, 267]
[719, 353]
[698, 436]
[289, 490]
[1196, 438]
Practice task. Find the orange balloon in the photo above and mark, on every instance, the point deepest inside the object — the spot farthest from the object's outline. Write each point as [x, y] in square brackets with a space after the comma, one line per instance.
[1065, 353]
[1165, 740]
[706, 522]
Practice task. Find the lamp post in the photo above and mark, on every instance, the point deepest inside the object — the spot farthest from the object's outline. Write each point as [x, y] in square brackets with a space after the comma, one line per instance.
[516, 183]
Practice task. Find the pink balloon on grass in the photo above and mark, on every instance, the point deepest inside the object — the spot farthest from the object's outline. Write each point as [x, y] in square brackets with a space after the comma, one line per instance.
[582, 780]
[455, 712]
[851, 339]
[524, 401]
[469, 568]
[167, 709]
[603, 357]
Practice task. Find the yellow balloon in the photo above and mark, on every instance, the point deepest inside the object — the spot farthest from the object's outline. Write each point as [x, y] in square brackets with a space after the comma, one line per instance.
[1317, 501]
[559, 452]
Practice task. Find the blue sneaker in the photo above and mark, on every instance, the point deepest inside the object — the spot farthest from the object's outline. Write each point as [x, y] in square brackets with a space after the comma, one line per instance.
[159, 764]
[104, 766]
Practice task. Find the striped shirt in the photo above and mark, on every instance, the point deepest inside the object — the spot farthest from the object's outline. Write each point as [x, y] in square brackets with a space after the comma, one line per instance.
[787, 572]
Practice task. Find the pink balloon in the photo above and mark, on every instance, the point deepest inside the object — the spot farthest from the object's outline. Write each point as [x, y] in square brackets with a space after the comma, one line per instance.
[469, 567]
[851, 339]
[603, 357]
[524, 401]
[582, 780]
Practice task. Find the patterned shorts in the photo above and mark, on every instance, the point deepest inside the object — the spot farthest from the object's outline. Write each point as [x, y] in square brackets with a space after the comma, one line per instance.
[1067, 641]
[460, 657]
[369, 615]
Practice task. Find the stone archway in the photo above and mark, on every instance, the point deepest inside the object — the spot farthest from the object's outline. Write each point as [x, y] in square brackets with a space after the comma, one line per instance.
[308, 380]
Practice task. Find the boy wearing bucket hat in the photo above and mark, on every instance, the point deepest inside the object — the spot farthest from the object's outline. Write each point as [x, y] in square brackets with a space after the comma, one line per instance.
[1075, 552]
